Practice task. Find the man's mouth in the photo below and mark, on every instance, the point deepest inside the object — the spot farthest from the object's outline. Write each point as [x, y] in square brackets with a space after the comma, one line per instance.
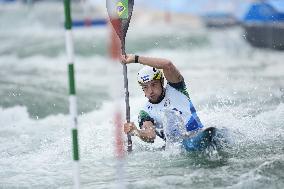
[153, 96]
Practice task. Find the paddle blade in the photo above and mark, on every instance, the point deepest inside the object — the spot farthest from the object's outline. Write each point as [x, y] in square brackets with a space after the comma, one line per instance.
[120, 12]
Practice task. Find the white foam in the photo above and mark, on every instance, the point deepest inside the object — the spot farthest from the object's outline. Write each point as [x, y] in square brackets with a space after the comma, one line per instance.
[231, 84]
[11, 116]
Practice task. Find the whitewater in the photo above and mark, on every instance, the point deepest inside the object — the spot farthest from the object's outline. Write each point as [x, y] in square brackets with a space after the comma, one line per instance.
[232, 85]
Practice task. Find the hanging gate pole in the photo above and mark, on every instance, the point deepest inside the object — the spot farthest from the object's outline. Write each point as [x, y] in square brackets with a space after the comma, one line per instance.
[72, 92]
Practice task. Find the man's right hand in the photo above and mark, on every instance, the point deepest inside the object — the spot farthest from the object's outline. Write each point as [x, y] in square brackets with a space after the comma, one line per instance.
[147, 134]
[129, 128]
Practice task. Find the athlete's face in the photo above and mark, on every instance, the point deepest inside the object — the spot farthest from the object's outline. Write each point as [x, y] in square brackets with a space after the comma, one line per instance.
[153, 90]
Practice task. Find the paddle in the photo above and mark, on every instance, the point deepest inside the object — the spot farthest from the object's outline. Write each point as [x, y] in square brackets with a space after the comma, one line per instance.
[120, 12]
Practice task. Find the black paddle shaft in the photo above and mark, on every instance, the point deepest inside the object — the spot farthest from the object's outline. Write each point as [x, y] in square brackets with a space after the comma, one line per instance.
[120, 12]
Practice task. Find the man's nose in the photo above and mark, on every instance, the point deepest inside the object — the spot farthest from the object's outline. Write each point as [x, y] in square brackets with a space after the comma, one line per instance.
[151, 90]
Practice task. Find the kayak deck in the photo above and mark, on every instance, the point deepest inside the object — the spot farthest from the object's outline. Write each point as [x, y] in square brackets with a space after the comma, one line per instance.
[208, 137]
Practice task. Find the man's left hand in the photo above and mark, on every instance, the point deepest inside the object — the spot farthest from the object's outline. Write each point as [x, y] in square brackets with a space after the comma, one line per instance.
[127, 59]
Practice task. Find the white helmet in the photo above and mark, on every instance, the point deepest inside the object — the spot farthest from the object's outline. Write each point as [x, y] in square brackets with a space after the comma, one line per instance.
[148, 73]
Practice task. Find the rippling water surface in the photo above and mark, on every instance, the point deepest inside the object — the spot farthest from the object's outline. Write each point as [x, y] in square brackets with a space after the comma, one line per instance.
[232, 85]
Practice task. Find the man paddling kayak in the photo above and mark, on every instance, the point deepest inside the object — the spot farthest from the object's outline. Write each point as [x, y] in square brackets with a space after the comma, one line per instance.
[164, 102]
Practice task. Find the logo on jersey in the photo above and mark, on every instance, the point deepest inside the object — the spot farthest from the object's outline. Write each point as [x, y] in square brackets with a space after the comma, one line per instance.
[180, 112]
[167, 103]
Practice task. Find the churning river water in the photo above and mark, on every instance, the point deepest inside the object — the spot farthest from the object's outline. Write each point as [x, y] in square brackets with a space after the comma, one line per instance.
[232, 85]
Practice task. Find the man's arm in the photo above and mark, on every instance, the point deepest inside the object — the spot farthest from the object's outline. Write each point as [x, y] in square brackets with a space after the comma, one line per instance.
[170, 71]
[147, 133]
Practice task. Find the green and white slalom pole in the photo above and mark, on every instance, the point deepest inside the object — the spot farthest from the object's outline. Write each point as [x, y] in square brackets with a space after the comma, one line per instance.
[72, 92]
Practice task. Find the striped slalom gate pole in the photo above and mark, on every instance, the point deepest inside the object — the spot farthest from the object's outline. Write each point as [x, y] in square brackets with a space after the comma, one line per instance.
[115, 52]
[72, 92]
[167, 11]
[119, 149]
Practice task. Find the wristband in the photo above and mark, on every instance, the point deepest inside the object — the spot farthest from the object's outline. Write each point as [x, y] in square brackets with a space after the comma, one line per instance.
[136, 59]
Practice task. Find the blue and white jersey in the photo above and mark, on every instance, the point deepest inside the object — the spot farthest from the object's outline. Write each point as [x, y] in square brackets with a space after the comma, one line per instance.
[175, 109]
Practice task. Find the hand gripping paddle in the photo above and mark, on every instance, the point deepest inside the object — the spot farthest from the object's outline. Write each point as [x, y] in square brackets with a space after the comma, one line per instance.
[120, 12]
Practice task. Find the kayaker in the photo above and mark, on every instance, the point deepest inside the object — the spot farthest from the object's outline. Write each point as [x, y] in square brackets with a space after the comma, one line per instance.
[164, 101]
